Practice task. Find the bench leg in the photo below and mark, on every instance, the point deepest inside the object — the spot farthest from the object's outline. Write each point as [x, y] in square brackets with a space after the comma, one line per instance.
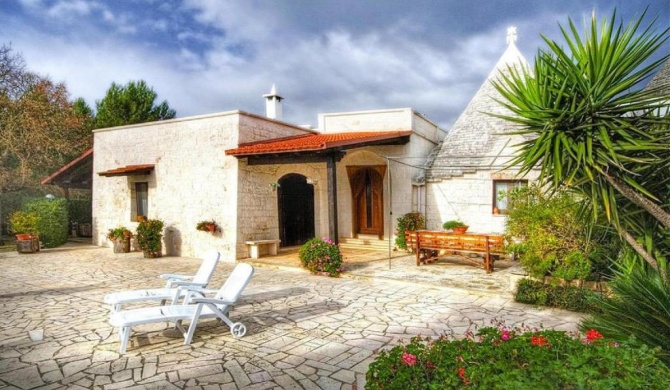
[487, 263]
[253, 251]
[273, 249]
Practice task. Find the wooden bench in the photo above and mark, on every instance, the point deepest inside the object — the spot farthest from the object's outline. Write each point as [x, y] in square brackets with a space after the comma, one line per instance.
[427, 244]
[254, 247]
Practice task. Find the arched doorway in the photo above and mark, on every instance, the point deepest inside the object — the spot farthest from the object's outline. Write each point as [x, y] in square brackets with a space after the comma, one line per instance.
[295, 200]
[367, 195]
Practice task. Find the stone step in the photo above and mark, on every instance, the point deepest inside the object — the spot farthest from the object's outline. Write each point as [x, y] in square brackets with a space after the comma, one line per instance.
[364, 243]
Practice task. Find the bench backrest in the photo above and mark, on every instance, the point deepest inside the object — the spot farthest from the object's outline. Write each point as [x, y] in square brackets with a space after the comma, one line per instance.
[445, 240]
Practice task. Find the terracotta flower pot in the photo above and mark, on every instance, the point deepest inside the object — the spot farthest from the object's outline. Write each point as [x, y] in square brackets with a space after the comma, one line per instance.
[460, 229]
[24, 237]
[211, 227]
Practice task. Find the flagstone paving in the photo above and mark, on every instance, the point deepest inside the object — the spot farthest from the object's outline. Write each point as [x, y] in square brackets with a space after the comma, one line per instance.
[304, 331]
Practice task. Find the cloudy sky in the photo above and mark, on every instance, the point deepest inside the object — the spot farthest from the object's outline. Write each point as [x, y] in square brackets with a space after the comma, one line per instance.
[207, 56]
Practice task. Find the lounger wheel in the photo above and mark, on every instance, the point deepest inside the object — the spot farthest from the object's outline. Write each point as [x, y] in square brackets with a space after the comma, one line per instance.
[238, 330]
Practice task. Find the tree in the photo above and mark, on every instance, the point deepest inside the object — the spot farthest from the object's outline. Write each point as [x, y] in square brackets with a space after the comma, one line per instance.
[39, 130]
[133, 103]
[590, 128]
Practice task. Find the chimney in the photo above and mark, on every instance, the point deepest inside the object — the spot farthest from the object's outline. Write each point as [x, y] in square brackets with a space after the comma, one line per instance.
[273, 104]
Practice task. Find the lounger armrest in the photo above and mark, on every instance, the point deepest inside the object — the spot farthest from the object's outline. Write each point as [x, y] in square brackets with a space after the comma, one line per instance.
[181, 283]
[212, 301]
[176, 276]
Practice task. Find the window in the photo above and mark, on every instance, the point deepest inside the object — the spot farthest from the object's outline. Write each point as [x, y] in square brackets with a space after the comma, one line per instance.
[418, 194]
[142, 199]
[500, 190]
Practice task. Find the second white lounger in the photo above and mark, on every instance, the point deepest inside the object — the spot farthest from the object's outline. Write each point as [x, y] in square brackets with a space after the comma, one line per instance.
[200, 279]
[200, 308]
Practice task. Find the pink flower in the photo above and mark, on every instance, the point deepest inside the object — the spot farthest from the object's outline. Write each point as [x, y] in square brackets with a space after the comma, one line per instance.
[505, 335]
[408, 358]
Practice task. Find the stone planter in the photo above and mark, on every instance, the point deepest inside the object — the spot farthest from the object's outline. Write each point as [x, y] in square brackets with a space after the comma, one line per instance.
[122, 246]
[29, 245]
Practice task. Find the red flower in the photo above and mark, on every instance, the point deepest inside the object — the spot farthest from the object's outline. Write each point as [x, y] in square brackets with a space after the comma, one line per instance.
[540, 341]
[408, 358]
[593, 334]
[461, 374]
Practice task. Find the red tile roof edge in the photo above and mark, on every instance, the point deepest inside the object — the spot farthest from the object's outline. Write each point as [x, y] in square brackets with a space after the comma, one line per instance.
[127, 170]
[320, 142]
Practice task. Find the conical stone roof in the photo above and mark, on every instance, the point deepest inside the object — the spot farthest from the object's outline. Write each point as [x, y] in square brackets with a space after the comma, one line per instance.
[661, 80]
[478, 140]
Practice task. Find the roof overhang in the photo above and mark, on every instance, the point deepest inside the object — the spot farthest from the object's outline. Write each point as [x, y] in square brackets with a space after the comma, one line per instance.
[314, 147]
[78, 173]
[128, 170]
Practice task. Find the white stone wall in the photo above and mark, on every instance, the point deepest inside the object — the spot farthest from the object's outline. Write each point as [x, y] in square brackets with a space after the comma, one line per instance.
[193, 179]
[258, 128]
[377, 120]
[468, 198]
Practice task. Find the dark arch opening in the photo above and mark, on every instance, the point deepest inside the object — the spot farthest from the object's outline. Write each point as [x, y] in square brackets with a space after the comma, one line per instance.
[295, 198]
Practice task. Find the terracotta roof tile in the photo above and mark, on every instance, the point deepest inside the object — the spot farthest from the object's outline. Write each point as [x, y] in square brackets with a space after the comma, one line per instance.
[314, 142]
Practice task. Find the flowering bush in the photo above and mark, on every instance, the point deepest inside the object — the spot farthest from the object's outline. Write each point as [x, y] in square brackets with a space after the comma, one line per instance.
[520, 358]
[409, 221]
[321, 255]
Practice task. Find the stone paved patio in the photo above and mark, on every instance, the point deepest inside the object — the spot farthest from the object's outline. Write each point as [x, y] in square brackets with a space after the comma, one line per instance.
[304, 332]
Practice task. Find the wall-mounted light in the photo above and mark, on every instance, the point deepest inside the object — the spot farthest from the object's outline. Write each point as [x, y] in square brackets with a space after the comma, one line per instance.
[311, 181]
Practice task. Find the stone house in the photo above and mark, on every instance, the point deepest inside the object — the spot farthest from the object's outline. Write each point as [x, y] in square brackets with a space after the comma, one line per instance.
[259, 178]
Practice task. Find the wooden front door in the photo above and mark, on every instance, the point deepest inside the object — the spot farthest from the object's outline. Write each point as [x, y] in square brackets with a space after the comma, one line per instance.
[367, 193]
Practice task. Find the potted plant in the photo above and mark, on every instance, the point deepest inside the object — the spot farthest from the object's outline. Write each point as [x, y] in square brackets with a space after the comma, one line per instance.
[206, 226]
[24, 226]
[120, 236]
[149, 235]
[455, 225]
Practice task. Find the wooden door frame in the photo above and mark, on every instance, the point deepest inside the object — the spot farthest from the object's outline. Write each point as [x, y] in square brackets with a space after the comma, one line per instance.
[352, 171]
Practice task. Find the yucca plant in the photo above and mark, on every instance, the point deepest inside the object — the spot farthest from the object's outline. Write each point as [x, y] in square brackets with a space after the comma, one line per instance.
[639, 306]
[590, 127]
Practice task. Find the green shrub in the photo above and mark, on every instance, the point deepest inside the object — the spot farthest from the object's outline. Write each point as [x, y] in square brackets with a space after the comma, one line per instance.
[321, 256]
[563, 297]
[499, 358]
[409, 221]
[21, 222]
[549, 236]
[639, 304]
[149, 235]
[80, 210]
[52, 220]
[12, 202]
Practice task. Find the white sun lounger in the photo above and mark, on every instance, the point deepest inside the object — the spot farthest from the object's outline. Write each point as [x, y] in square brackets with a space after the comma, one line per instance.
[196, 308]
[168, 293]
